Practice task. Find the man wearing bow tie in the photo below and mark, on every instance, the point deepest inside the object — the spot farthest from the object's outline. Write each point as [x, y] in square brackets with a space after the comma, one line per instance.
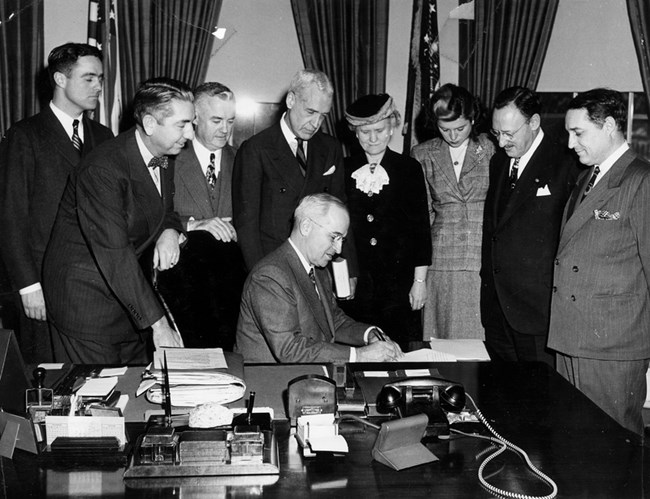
[118, 203]
[277, 167]
[204, 289]
[36, 157]
[600, 314]
[531, 178]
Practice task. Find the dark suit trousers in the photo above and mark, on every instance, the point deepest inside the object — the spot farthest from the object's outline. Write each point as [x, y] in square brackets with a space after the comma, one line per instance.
[618, 387]
[504, 343]
[203, 291]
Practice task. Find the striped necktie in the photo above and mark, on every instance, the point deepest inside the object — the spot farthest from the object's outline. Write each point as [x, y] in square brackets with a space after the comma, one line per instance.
[300, 156]
[76, 140]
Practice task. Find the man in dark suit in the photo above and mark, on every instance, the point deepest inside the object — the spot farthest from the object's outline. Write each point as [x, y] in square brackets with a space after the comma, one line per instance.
[278, 166]
[530, 181]
[36, 157]
[203, 291]
[288, 310]
[117, 204]
[600, 314]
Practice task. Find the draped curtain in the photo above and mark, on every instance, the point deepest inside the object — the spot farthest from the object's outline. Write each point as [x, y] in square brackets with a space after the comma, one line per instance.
[347, 40]
[639, 14]
[21, 60]
[510, 42]
[170, 38]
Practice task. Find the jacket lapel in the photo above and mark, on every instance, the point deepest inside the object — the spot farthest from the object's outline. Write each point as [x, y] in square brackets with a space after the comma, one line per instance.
[283, 160]
[57, 139]
[602, 192]
[191, 175]
[308, 290]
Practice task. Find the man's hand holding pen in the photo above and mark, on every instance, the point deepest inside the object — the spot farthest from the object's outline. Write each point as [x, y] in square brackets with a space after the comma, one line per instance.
[380, 348]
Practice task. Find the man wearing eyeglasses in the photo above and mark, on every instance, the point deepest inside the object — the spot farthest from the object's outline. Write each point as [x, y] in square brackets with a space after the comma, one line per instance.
[288, 311]
[531, 178]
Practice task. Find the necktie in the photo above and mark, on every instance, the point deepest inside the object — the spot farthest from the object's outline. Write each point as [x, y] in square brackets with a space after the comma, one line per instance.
[591, 183]
[513, 174]
[312, 276]
[76, 140]
[209, 173]
[300, 156]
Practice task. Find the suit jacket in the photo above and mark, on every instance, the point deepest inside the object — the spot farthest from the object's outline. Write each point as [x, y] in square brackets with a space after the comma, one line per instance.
[268, 184]
[520, 237]
[36, 157]
[110, 213]
[396, 219]
[281, 318]
[601, 299]
[456, 206]
[193, 196]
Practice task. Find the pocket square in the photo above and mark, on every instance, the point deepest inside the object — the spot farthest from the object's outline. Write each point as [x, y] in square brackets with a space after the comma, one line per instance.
[606, 215]
[543, 191]
[330, 171]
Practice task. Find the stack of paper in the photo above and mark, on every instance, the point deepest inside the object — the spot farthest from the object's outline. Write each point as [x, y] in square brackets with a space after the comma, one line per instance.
[449, 351]
[196, 377]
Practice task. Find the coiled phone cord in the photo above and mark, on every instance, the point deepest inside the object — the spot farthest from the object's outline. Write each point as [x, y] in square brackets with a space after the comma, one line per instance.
[503, 446]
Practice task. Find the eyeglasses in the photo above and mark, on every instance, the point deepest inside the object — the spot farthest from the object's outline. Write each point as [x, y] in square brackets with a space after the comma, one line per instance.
[507, 135]
[335, 237]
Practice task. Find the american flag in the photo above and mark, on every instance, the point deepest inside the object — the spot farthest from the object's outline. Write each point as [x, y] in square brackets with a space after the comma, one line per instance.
[103, 35]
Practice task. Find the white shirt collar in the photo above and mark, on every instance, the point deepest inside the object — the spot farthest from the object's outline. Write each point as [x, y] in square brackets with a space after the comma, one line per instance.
[203, 156]
[303, 260]
[144, 152]
[66, 120]
[290, 137]
[525, 158]
[606, 165]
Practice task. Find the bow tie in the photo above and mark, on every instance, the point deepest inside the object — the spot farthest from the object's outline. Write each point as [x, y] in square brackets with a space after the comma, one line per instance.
[158, 161]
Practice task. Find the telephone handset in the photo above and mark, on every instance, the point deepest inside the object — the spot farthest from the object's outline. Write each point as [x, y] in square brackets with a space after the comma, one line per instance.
[429, 395]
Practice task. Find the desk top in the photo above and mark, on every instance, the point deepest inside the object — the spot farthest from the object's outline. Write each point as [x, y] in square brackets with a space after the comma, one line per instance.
[565, 435]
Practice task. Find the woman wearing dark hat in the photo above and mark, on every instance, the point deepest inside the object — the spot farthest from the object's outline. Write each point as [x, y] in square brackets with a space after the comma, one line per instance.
[389, 219]
[456, 168]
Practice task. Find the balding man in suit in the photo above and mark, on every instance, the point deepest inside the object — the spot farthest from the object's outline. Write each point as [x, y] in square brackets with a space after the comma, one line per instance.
[204, 289]
[600, 313]
[288, 310]
[36, 157]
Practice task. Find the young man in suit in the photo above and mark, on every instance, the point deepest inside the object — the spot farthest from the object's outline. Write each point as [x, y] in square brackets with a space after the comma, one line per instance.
[36, 157]
[288, 310]
[277, 167]
[531, 178]
[600, 314]
[204, 289]
[118, 203]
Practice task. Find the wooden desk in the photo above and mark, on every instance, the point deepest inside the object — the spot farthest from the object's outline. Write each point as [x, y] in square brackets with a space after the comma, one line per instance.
[565, 435]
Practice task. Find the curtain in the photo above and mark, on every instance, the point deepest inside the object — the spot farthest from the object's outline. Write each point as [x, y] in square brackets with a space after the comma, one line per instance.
[639, 14]
[347, 40]
[170, 38]
[22, 76]
[511, 38]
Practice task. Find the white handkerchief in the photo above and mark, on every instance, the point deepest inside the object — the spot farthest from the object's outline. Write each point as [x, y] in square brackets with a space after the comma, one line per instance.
[330, 171]
[543, 191]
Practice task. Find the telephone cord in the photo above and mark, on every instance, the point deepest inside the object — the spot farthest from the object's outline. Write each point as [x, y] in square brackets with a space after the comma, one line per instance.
[504, 445]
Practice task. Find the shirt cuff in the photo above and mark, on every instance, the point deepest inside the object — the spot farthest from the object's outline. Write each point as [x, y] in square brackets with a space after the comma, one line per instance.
[353, 354]
[30, 289]
[369, 330]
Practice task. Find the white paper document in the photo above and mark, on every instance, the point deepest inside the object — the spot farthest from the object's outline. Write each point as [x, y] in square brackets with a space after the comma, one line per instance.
[190, 358]
[427, 355]
[461, 349]
[84, 426]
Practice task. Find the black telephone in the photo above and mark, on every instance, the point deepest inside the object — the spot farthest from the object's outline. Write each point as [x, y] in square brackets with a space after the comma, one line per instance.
[428, 395]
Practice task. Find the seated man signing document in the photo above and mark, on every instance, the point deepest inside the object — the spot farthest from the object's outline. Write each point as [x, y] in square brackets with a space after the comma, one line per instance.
[288, 311]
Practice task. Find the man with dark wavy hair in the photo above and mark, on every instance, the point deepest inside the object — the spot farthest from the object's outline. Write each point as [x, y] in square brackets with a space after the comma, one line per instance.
[600, 313]
[36, 157]
[117, 205]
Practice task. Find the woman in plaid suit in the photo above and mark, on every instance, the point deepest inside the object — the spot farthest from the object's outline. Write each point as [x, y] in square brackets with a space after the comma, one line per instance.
[456, 170]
